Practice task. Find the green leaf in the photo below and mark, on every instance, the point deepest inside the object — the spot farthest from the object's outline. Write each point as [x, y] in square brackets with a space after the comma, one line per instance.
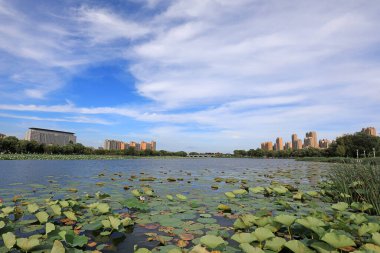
[142, 250]
[212, 241]
[256, 189]
[285, 219]
[298, 196]
[64, 203]
[115, 222]
[376, 238]
[57, 247]
[136, 193]
[127, 222]
[169, 197]
[263, 234]
[103, 207]
[275, 244]
[239, 192]
[310, 222]
[26, 244]
[56, 209]
[7, 210]
[181, 197]
[70, 215]
[42, 217]
[297, 246]
[2, 224]
[368, 228]
[280, 189]
[32, 208]
[247, 248]
[244, 237]
[49, 227]
[337, 240]
[230, 195]
[9, 239]
[340, 206]
[322, 247]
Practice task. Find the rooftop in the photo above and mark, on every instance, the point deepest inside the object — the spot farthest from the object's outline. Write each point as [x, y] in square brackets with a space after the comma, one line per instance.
[49, 130]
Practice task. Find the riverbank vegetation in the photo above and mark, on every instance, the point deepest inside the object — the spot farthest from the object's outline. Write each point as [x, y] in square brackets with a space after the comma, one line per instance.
[12, 145]
[348, 146]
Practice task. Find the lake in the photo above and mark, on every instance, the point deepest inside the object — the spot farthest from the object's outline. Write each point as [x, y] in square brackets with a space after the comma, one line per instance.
[104, 181]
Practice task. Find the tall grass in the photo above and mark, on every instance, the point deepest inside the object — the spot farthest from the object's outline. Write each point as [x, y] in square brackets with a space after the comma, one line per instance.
[359, 181]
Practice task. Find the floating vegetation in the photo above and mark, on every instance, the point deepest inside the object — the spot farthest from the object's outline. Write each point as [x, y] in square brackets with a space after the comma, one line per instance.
[150, 213]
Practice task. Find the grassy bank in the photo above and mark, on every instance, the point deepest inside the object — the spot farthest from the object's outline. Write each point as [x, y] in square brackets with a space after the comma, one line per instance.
[75, 157]
[371, 160]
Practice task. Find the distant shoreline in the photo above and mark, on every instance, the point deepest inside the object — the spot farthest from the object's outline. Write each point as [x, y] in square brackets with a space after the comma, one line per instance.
[77, 157]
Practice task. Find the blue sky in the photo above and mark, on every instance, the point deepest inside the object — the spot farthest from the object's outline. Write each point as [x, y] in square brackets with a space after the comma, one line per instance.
[199, 75]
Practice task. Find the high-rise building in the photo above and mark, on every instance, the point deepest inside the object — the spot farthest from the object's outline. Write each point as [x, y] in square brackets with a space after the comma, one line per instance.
[308, 142]
[50, 137]
[145, 145]
[298, 144]
[153, 144]
[279, 144]
[314, 140]
[324, 143]
[288, 145]
[294, 141]
[2, 136]
[115, 145]
[369, 130]
[134, 145]
[267, 146]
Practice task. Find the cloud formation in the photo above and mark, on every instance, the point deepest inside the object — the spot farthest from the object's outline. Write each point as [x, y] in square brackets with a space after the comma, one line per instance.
[238, 71]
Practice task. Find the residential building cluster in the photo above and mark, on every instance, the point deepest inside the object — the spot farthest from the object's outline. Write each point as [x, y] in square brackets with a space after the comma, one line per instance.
[50, 137]
[310, 141]
[120, 145]
[2, 135]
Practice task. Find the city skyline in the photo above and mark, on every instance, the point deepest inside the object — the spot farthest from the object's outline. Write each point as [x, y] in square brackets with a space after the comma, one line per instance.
[207, 76]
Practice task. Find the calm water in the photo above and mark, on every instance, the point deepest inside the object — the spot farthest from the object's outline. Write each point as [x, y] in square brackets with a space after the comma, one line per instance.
[39, 172]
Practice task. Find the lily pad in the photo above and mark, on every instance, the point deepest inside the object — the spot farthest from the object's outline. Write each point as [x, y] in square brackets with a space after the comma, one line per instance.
[275, 244]
[247, 248]
[9, 239]
[262, 234]
[244, 237]
[212, 241]
[297, 247]
[338, 240]
[285, 219]
[42, 217]
[26, 244]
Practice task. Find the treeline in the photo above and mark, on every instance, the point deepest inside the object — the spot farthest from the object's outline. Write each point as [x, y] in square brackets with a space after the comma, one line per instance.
[344, 146]
[12, 145]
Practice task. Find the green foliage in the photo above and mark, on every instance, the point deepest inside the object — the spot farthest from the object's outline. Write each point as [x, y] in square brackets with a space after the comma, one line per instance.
[134, 203]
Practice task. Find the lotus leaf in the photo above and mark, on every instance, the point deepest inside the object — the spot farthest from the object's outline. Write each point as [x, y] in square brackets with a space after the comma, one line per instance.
[340, 206]
[230, 195]
[256, 189]
[127, 222]
[32, 208]
[106, 223]
[7, 210]
[263, 221]
[64, 203]
[376, 238]
[212, 241]
[310, 222]
[2, 224]
[298, 196]
[263, 234]
[42, 217]
[57, 247]
[103, 207]
[371, 247]
[169, 197]
[322, 247]
[26, 244]
[136, 193]
[115, 222]
[207, 220]
[199, 249]
[285, 219]
[358, 218]
[75, 240]
[297, 246]
[181, 197]
[247, 248]
[93, 226]
[49, 227]
[312, 193]
[275, 244]
[368, 228]
[280, 189]
[244, 237]
[239, 192]
[70, 215]
[9, 239]
[56, 209]
[338, 240]
[224, 208]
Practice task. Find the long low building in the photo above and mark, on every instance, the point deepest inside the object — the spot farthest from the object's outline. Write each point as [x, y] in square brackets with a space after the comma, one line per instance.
[50, 137]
